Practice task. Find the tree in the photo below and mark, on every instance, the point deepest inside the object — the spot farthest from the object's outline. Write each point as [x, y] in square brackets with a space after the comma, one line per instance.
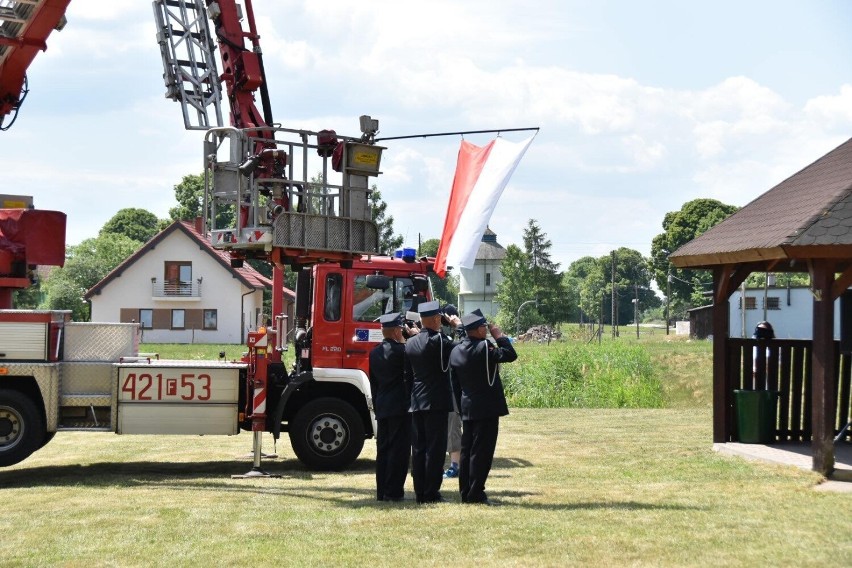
[531, 275]
[515, 289]
[378, 209]
[189, 194]
[28, 298]
[190, 197]
[85, 265]
[446, 289]
[582, 281]
[632, 279]
[593, 278]
[679, 227]
[137, 224]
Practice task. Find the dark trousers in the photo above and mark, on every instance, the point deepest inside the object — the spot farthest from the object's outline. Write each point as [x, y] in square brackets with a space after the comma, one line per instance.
[429, 451]
[393, 452]
[479, 439]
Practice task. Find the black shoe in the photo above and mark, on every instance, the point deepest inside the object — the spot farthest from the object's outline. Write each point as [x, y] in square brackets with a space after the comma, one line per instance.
[438, 499]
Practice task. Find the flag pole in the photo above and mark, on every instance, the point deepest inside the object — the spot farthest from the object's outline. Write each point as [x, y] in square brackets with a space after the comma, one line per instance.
[460, 133]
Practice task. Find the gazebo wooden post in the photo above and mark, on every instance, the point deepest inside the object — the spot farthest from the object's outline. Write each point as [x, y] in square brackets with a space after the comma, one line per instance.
[722, 391]
[823, 368]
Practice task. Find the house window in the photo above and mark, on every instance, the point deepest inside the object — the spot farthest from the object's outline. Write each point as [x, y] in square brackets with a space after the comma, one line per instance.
[773, 303]
[178, 319]
[178, 278]
[488, 279]
[211, 319]
[750, 303]
[146, 319]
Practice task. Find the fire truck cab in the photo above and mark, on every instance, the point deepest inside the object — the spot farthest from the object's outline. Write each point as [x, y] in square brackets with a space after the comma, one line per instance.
[325, 402]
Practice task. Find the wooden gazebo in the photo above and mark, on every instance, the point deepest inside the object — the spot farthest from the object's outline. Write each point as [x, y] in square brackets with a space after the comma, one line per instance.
[802, 224]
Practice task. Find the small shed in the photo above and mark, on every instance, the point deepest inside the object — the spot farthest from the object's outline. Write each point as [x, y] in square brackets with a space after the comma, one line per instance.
[701, 322]
[803, 224]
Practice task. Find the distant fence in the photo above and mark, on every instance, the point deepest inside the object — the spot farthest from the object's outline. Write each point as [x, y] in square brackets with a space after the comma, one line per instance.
[784, 365]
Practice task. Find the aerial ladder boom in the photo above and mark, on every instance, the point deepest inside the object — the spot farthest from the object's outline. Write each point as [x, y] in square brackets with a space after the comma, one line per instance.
[24, 27]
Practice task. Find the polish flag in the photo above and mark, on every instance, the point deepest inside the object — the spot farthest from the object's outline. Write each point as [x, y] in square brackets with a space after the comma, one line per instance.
[482, 173]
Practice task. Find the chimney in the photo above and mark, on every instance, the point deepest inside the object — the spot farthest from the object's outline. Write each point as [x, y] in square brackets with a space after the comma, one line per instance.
[199, 225]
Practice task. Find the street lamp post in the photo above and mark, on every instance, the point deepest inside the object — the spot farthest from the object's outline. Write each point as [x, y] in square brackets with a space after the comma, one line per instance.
[518, 315]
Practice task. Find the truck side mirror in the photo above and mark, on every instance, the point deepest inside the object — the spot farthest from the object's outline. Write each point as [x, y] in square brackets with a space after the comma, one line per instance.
[378, 282]
[420, 283]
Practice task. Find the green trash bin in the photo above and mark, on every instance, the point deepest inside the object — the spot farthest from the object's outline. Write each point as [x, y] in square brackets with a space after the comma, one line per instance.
[756, 412]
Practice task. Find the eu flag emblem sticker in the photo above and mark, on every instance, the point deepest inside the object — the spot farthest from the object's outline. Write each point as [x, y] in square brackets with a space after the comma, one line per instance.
[362, 335]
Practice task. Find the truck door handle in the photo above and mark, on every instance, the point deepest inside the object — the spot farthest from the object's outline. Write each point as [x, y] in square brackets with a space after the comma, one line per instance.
[355, 351]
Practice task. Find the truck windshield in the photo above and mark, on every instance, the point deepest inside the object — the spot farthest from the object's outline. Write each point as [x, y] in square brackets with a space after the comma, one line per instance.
[369, 304]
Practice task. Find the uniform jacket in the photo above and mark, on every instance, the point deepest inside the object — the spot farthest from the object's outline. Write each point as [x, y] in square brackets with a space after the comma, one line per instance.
[468, 361]
[427, 364]
[389, 391]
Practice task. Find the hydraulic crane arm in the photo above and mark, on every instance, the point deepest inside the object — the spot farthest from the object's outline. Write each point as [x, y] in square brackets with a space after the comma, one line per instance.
[242, 69]
[24, 27]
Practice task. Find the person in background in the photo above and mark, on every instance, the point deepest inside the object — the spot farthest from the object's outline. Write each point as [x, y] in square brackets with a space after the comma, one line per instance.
[454, 426]
[762, 332]
[391, 399]
[475, 363]
[427, 356]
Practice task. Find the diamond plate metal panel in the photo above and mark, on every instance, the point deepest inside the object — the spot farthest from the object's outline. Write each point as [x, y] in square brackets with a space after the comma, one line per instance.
[85, 400]
[333, 234]
[86, 378]
[46, 376]
[100, 341]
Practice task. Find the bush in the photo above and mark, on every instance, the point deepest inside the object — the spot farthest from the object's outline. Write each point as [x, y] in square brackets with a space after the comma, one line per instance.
[572, 375]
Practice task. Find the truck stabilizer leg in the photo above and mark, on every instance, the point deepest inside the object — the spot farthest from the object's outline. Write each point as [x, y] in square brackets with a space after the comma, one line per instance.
[256, 470]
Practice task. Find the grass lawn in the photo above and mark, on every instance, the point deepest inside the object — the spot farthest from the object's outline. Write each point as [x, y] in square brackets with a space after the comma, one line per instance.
[574, 486]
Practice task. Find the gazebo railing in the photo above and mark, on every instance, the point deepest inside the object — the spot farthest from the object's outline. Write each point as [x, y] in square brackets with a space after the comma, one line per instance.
[784, 365]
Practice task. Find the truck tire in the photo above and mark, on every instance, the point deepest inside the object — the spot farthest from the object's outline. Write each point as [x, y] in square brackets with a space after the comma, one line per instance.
[327, 434]
[22, 429]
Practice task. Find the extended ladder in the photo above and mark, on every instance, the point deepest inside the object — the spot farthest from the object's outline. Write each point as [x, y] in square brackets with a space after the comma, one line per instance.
[189, 65]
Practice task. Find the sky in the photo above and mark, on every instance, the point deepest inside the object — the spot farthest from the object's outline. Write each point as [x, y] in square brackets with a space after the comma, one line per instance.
[641, 106]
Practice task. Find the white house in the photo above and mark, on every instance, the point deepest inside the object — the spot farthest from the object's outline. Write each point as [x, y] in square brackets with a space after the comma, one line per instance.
[478, 285]
[789, 310]
[182, 290]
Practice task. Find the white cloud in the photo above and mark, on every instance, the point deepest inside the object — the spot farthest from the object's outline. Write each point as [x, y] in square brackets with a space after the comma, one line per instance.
[832, 110]
[616, 151]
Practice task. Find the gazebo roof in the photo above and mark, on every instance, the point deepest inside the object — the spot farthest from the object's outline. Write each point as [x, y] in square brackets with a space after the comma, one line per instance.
[808, 215]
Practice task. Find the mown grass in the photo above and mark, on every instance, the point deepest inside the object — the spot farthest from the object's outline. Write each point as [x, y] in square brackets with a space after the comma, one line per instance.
[575, 486]
[597, 487]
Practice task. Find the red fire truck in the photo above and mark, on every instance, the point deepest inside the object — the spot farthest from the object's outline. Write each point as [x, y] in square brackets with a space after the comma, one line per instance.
[57, 375]
[260, 202]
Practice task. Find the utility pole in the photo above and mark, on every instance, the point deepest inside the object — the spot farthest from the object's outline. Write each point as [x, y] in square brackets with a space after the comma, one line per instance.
[668, 298]
[612, 319]
[636, 308]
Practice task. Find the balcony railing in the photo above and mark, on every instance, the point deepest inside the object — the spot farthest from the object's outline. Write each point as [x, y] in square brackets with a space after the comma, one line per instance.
[175, 289]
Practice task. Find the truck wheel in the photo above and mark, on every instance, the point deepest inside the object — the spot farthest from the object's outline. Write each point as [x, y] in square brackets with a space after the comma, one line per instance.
[327, 434]
[22, 428]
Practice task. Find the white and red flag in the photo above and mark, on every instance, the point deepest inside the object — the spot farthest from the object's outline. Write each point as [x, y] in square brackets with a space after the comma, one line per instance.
[482, 173]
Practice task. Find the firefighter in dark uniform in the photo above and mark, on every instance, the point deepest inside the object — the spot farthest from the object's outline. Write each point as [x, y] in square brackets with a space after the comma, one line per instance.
[391, 400]
[427, 365]
[475, 367]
